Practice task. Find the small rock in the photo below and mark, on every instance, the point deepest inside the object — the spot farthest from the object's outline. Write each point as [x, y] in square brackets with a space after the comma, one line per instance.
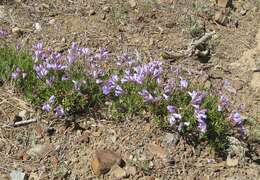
[221, 18]
[117, 172]
[38, 150]
[23, 114]
[231, 162]
[33, 176]
[157, 150]
[106, 9]
[243, 12]
[92, 12]
[133, 3]
[104, 161]
[17, 175]
[170, 25]
[171, 139]
[84, 138]
[38, 27]
[131, 170]
[17, 32]
[237, 149]
[224, 3]
[52, 21]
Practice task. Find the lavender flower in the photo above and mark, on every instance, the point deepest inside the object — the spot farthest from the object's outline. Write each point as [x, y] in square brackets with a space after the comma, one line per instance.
[102, 54]
[59, 111]
[202, 126]
[223, 103]
[196, 97]
[183, 83]
[16, 73]
[52, 99]
[146, 95]
[173, 118]
[237, 118]
[46, 107]
[3, 33]
[171, 109]
[201, 116]
[38, 51]
[41, 71]
[118, 90]
[106, 89]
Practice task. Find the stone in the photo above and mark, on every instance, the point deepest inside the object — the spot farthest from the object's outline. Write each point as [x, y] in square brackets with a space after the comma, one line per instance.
[17, 175]
[17, 31]
[92, 12]
[237, 149]
[38, 150]
[224, 3]
[221, 18]
[104, 160]
[133, 3]
[118, 172]
[157, 150]
[231, 162]
[106, 9]
[84, 138]
[37, 27]
[131, 170]
[171, 139]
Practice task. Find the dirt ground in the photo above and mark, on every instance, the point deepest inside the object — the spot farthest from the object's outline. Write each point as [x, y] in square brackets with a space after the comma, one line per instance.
[154, 28]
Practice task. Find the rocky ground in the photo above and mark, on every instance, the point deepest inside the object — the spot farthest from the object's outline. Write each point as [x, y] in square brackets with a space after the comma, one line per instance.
[88, 147]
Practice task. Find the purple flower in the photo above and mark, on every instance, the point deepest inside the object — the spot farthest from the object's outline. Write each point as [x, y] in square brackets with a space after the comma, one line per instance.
[85, 51]
[146, 95]
[55, 56]
[118, 90]
[106, 89]
[41, 71]
[3, 33]
[223, 103]
[59, 111]
[38, 51]
[201, 116]
[183, 83]
[52, 99]
[16, 73]
[171, 109]
[46, 107]
[71, 58]
[102, 54]
[196, 97]
[202, 126]
[173, 118]
[237, 118]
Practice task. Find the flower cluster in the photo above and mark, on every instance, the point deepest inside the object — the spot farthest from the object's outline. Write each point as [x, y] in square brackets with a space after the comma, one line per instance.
[65, 79]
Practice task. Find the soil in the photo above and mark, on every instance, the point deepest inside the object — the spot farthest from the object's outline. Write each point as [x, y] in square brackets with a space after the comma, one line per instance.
[153, 28]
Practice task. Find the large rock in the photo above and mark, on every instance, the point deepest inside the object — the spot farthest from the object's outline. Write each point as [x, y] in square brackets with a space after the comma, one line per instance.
[104, 160]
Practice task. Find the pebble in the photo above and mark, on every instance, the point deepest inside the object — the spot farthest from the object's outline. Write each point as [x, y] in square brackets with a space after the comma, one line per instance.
[104, 160]
[118, 172]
